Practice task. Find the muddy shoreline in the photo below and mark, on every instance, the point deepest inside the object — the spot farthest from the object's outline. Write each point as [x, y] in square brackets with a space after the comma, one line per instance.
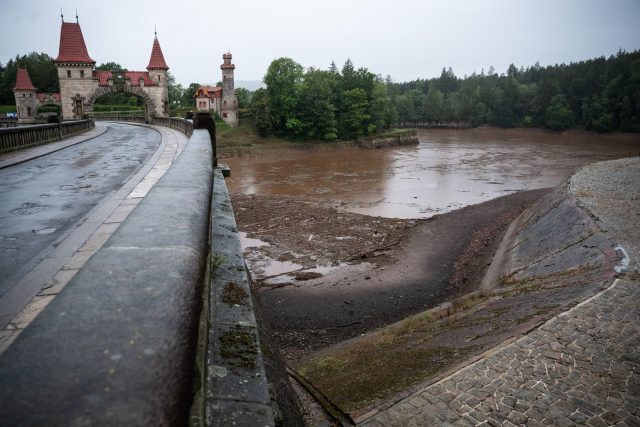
[396, 268]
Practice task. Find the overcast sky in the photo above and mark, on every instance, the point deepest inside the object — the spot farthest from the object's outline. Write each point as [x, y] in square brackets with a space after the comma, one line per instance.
[406, 39]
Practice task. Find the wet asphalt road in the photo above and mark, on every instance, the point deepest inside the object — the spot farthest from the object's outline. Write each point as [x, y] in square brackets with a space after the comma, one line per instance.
[42, 198]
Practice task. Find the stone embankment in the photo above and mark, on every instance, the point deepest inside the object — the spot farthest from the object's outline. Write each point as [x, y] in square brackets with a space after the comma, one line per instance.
[580, 367]
[392, 139]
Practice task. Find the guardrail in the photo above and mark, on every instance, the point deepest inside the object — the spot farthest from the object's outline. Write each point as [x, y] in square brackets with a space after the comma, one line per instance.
[184, 125]
[18, 137]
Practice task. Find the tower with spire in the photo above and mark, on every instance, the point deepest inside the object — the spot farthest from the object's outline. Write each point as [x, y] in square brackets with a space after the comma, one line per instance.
[229, 107]
[75, 70]
[158, 74]
[25, 94]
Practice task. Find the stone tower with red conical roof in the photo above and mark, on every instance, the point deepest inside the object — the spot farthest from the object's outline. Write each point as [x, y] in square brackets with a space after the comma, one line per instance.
[75, 71]
[158, 73]
[25, 94]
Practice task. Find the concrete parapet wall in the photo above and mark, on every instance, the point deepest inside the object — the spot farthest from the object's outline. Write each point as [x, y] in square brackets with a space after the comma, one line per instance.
[235, 383]
[19, 137]
[184, 125]
[117, 347]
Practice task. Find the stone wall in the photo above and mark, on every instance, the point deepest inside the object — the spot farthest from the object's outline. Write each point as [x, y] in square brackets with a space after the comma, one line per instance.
[26, 105]
[78, 85]
[75, 87]
[159, 94]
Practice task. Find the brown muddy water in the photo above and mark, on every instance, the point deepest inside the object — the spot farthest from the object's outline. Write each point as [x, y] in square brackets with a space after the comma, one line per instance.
[447, 170]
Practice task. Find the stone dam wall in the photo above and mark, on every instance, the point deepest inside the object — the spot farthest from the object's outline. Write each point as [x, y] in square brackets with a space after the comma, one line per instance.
[553, 239]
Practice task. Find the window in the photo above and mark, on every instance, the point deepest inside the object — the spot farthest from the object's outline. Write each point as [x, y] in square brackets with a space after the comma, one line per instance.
[82, 74]
[224, 115]
[158, 78]
[28, 111]
[224, 103]
[68, 74]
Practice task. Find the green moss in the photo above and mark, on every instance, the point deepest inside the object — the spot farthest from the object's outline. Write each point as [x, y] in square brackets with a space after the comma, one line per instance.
[355, 380]
[234, 294]
[239, 347]
[215, 261]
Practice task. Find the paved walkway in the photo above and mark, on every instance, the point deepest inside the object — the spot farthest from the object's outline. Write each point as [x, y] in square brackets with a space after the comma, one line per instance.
[53, 274]
[580, 368]
[14, 157]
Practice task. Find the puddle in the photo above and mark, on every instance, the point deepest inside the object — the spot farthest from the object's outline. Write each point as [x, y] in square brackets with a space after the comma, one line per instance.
[46, 231]
[291, 276]
[262, 266]
[248, 242]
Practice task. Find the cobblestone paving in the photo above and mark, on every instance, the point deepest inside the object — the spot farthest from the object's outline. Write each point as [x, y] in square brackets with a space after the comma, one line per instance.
[580, 368]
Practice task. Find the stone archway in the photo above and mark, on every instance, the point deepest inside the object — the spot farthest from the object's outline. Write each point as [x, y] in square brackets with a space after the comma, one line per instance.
[138, 91]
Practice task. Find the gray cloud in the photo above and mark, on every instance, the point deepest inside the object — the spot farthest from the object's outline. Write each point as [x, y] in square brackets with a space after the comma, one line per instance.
[404, 38]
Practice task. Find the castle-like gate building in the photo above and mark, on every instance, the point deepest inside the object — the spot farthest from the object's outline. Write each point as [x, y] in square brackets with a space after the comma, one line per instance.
[81, 85]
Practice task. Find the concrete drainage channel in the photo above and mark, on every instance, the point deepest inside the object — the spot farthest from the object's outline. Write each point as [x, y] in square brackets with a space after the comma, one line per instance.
[118, 346]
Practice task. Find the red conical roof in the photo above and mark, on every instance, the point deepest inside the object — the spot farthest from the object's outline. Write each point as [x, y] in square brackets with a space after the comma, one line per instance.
[23, 81]
[156, 62]
[72, 47]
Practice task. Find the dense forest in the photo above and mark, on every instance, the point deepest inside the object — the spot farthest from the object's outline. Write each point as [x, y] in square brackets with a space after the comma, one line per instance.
[600, 94]
[318, 104]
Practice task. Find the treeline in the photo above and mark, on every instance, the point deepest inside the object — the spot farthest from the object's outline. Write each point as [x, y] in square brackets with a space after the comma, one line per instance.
[600, 94]
[321, 105]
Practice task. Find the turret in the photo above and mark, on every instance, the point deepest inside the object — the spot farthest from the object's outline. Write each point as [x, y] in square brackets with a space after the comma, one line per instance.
[158, 75]
[25, 94]
[229, 108]
[75, 70]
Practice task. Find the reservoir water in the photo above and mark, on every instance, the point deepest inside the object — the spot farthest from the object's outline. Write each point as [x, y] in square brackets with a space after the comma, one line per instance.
[447, 170]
